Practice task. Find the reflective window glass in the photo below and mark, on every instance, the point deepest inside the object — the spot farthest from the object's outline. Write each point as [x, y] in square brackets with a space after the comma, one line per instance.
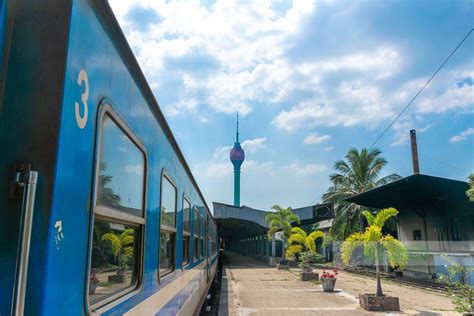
[168, 203]
[186, 215]
[166, 252]
[196, 221]
[121, 171]
[115, 250]
[196, 242]
[186, 249]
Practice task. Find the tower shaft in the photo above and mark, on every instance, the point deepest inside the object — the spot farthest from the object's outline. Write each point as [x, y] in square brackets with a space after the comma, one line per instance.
[237, 186]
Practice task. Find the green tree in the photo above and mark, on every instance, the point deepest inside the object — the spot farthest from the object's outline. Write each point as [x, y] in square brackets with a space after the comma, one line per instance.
[106, 195]
[281, 220]
[359, 172]
[470, 191]
[374, 243]
[299, 241]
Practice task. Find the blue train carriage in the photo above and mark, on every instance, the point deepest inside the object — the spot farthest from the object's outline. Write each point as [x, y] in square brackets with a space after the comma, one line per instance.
[100, 211]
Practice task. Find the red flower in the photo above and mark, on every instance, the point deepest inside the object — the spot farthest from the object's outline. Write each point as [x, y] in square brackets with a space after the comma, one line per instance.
[329, 274]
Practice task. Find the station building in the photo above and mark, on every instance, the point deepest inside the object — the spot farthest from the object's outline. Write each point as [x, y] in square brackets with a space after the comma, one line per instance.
[435, 221]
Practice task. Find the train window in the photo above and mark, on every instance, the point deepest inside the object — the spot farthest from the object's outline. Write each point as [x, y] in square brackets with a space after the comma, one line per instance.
[121, 171]
[117, 241]
[196, 234]
[186, 230]
[202, 232]
[168, 228]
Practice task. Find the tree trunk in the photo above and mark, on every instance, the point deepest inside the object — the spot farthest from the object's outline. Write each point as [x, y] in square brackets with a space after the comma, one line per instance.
[283, 253]
[377, 271]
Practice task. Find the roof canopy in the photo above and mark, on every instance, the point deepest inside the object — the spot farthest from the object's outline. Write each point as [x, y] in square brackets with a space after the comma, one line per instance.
[417, 191]
[236, 222]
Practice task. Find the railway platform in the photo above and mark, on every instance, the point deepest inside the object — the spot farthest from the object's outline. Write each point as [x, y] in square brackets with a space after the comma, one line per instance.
[250, 287]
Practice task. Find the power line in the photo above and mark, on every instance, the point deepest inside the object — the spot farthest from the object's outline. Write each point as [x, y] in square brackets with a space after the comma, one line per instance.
[416, 95]
[442, 162]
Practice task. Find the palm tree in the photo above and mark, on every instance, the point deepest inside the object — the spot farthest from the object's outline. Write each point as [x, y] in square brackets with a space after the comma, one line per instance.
[300, 241]
[281, 221]
[358, 173]
[120, 244]
[470, 191]
[374, 242]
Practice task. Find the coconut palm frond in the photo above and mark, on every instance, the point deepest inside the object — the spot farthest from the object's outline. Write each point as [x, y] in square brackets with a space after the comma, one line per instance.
[382, 217]
[396, 252]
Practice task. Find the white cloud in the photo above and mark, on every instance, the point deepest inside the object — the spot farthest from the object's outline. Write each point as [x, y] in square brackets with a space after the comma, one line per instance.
[328, 148]
[304, 114]
[453, 98]
[222, 152]
[308, 169]
[134, 169]
[315, 138]
[250, 146]
[245, 40]
[254, 145]
[402, 129]
[462, 135]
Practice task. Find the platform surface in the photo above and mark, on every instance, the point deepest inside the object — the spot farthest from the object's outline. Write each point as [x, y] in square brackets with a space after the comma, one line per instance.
[249, 287]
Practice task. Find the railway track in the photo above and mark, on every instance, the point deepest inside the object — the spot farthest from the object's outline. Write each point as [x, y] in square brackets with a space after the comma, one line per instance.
[425, 284]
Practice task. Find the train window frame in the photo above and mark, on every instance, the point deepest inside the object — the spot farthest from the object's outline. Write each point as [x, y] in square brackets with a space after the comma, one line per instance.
[195, 234]
[202, 232]
[108, 214]
[186, 233]
[168, 229]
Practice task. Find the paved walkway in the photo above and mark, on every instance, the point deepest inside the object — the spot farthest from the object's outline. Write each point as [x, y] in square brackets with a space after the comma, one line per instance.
[249, 287]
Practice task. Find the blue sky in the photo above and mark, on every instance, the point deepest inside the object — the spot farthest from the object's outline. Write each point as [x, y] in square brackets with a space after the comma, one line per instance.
[310, 80]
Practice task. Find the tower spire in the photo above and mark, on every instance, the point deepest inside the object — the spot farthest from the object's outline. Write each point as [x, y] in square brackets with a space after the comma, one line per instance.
[237, 134]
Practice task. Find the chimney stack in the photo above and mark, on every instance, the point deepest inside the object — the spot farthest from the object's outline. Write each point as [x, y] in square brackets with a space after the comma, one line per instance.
[414, 152]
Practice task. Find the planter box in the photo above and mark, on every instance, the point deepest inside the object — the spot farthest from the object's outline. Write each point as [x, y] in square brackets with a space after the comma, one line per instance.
[328, 284]
[283, 266]
[116, 278]
[309, 276]
[384, 303]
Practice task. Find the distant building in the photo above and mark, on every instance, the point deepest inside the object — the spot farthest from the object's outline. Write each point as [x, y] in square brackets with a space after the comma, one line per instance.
[435, 221]
[244, 229]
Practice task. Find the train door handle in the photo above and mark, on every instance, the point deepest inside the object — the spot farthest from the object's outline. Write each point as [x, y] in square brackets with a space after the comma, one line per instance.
[24, 187]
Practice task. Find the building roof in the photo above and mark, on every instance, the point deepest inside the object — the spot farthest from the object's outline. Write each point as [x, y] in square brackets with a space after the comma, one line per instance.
[417, 191]
[243, 221]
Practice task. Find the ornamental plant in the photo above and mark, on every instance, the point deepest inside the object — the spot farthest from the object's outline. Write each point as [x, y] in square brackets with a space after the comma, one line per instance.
[120, 245]
[374, 243]
[459, 289]
[300, 242]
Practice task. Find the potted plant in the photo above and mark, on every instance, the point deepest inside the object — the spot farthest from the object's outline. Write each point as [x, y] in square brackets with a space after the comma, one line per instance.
[281, 221]
[305, 265]
[303, 244]
[93, 282]
[328, 280]
[374, 243]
